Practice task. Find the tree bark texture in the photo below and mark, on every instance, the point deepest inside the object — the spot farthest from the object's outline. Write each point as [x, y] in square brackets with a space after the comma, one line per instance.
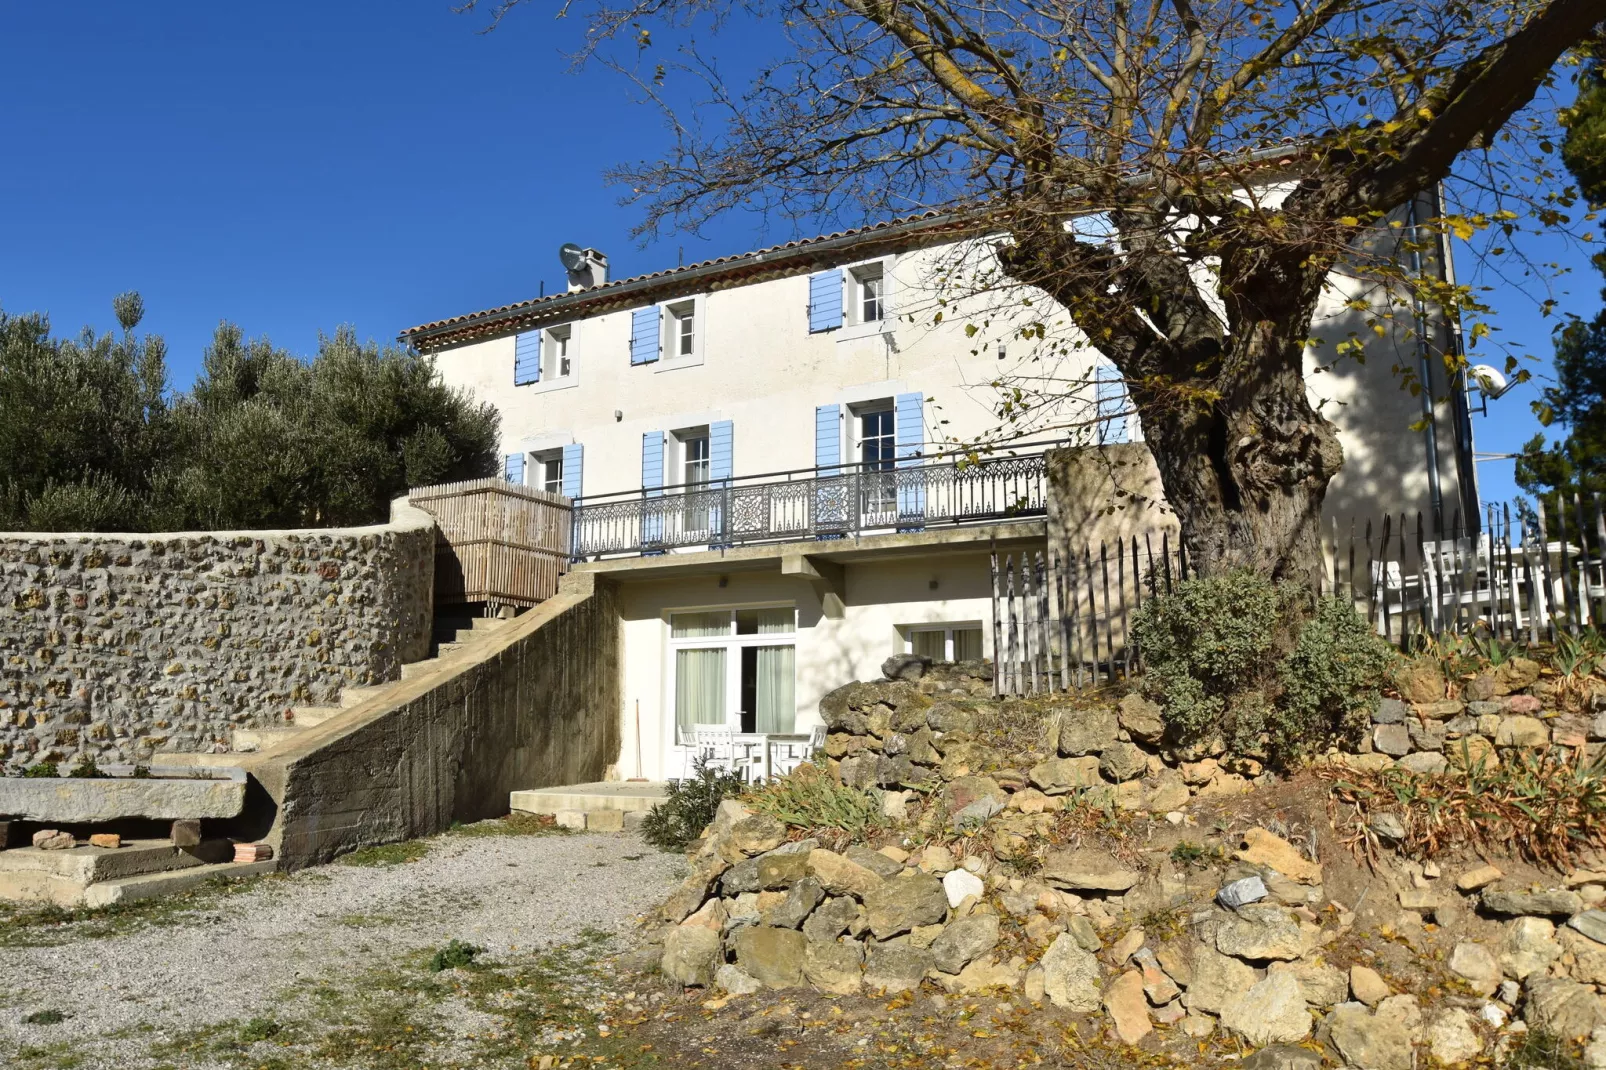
[1244, 457]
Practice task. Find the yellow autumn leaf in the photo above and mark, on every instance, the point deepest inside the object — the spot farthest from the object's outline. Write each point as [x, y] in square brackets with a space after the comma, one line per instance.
[1349, 221]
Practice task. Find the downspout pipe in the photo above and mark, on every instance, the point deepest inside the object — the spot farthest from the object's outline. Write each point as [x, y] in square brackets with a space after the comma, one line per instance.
[1424, 352]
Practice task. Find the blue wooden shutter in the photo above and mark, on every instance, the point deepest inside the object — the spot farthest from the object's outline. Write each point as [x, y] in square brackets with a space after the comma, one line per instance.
[513, 468]
[644, 330]
[573, 469]
[719, 473]
[827, 438]
[1111, 402]
[909, 431]
[527, 358]
[831, 499]
[825, 301]
[652, 481]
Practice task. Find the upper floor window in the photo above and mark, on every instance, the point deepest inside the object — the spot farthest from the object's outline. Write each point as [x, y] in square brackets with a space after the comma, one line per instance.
[877, 439]
[682, 329]
[869, 292]
[549, 471]
[558, 360]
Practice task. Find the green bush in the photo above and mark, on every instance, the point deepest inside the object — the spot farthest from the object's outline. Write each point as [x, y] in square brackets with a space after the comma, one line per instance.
[455, 956]
[1207, 640]
[42, 769]
[689, 807]
[1258, 664]
[1332, 677]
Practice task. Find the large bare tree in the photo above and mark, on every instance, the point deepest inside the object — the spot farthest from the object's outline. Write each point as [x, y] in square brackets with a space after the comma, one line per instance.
[1162, 114]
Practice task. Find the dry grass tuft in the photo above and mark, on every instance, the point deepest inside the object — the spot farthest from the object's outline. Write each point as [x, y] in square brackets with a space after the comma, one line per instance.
[1545, 806]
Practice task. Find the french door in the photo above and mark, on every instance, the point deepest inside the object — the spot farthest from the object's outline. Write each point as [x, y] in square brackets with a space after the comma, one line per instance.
[735, 667]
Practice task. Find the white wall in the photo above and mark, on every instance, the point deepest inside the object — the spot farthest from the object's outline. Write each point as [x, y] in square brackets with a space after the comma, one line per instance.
[760, 368]
[881, 599]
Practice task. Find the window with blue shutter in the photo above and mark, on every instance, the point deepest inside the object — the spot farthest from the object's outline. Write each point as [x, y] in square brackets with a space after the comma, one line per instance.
[513, 468]
[644, 341]
[573, 467]
[527, 358]
[909, 427]
[719, 473]
[652, 481]
[1111, 402]
[832, 500]
[825, 301]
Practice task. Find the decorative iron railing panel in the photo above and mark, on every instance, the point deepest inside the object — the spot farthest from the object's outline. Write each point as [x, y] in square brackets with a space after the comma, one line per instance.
[835, 502]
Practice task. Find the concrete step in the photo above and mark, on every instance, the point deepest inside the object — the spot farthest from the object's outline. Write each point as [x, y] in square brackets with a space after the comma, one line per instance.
[189, 761]
[625, 795]
[248, 740]
[130, 889]
[67, 878]
[312, 716]
[356, 696]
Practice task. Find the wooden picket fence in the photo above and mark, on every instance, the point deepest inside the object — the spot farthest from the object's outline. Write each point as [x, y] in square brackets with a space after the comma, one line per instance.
[1062, 621]
[497, 542]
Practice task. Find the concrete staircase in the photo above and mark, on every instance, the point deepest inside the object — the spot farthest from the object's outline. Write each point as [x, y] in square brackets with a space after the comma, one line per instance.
[454, 638]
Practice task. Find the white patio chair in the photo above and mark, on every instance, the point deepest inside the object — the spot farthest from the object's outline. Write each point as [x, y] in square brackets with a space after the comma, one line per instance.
[787, 755]
[716, 745]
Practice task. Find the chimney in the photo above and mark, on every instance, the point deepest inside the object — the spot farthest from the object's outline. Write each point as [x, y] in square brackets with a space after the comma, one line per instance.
[590, 270]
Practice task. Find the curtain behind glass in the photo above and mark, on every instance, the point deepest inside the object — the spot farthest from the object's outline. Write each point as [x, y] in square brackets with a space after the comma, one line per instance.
[967, 644]
[699, 689]
[699, 625]
[777, 710]
[929, 643]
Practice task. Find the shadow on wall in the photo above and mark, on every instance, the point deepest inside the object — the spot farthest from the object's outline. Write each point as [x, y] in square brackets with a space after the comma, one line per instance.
[539, 708]
[1104, 493]
[1385, 460]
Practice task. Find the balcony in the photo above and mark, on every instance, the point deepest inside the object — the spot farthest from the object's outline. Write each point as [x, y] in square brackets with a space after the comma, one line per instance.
[837, 502]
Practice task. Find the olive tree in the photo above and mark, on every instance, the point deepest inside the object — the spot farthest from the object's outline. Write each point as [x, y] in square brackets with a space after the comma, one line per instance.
[1174, 119]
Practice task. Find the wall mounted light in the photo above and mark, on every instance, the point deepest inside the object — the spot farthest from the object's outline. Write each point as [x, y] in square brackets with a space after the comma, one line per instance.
[932, 585]
[724, 581]
[618, 414]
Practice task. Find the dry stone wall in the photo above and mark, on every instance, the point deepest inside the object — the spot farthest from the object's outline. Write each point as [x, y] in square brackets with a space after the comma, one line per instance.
[119, 646]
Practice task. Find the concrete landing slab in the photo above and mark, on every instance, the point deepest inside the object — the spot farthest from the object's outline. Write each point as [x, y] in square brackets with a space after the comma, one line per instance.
[87, 865]
[632, 797]
[82, 801]
[130, 889]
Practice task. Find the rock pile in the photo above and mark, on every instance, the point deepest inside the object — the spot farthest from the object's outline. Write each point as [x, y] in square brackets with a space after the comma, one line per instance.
[1245, 951]
[933, 724]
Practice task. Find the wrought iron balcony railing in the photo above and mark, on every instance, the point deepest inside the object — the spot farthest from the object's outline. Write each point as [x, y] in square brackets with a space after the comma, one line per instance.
[811, 503]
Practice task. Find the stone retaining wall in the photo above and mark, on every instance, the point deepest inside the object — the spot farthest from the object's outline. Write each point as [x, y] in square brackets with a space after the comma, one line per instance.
[119, 646]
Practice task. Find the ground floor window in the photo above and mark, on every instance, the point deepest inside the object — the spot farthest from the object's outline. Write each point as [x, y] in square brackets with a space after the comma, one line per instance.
[735, 667]
[945, 642]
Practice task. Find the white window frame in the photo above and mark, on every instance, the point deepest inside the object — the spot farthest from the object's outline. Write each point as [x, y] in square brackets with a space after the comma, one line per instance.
[947, 628]
[541, 461]
[854, 325]
[860, 278]
[550, 377]
[670, 316]
[733, 645]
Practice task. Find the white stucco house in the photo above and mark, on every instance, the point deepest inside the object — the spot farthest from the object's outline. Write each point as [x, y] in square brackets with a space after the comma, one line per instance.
[756, 446]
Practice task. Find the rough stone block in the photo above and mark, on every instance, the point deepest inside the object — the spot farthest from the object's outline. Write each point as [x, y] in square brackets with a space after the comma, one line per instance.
[186, 833]
[570, 819]
[605, 820]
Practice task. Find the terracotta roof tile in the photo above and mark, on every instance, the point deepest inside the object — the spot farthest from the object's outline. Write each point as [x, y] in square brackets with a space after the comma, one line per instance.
[507, 317]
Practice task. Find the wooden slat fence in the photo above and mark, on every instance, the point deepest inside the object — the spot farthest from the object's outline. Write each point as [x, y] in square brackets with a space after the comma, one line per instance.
[498, 542]
[1062, 620]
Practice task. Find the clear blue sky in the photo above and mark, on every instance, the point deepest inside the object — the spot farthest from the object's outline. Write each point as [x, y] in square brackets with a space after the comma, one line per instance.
[294, 166]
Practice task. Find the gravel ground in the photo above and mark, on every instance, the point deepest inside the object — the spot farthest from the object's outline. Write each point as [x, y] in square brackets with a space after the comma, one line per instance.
[233, 958]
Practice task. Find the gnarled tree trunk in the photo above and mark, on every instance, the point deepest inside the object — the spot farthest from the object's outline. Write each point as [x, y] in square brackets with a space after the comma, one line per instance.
[1244, 457]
